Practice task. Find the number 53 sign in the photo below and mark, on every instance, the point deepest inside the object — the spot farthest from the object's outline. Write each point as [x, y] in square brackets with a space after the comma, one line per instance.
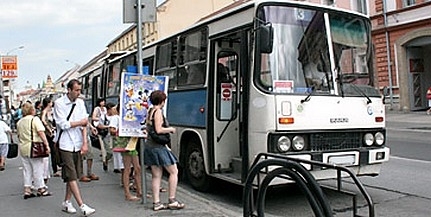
[9, 66]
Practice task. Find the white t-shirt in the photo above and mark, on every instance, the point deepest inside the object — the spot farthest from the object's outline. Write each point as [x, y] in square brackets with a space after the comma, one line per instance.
[101, 114]
[4, 128]
[114, 121]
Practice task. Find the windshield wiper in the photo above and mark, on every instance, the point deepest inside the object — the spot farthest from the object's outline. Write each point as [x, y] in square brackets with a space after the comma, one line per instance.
[307, 98]
[352, 77]
[362, 93]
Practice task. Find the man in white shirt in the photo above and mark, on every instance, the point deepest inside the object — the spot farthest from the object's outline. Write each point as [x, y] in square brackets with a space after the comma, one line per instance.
[71, 118]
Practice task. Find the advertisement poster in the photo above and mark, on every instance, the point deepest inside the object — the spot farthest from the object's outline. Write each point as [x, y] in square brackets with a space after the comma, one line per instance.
[134, 100]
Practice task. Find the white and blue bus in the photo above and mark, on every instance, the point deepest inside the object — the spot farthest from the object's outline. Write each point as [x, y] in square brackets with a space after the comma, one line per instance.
[283, 77]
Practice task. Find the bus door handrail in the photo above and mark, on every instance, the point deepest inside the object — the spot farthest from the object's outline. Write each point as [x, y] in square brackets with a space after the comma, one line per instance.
[271, 159]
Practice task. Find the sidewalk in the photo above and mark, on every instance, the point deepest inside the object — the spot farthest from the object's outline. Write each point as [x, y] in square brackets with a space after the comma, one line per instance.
[411, 120]
[105, 195]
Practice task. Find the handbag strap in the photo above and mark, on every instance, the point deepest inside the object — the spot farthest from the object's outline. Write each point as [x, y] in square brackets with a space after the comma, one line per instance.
[67, 118]
[152, 118]
[164, 124]
[31, 129]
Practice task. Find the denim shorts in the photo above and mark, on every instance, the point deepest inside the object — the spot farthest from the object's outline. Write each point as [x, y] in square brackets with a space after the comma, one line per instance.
[159, 156]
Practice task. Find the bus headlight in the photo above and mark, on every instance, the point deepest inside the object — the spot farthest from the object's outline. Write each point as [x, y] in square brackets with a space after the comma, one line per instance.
[298, 143]
[368, 139]
[283, 144]
[379, 138]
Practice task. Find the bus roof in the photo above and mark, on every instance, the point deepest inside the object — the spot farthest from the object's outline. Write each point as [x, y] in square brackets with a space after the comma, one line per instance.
[239, 6]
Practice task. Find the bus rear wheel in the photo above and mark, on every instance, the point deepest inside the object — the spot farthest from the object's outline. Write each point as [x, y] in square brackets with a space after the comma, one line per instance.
[195, 169]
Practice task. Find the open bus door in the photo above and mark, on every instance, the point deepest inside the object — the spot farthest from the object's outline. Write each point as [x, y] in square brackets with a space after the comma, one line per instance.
[226, 120]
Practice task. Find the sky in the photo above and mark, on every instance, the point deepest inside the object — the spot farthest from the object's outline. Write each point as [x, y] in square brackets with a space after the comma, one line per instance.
[56, 34]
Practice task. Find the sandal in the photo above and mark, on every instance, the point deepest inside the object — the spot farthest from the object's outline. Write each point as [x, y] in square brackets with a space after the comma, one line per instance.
[133, 188]
[43, 193]
[28, 195]
[132, 198]
[175, 204]
[158, 206]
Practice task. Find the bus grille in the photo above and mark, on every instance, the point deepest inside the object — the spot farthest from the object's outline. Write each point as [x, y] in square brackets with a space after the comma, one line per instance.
[334, 141]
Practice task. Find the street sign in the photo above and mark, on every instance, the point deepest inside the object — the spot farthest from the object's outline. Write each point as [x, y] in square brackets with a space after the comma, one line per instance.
[148, 11]
[9, 66]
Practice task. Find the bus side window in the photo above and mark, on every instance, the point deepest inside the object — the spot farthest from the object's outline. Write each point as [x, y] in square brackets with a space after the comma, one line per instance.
[195, 75]
[182, 75]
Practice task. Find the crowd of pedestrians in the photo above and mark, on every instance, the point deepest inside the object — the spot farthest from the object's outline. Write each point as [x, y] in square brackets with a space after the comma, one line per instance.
[64, 127]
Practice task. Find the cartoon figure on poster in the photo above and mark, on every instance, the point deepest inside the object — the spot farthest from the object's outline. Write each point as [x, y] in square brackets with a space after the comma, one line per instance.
[135, 91]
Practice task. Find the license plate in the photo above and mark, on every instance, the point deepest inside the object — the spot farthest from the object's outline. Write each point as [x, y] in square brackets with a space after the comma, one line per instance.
[343, 160]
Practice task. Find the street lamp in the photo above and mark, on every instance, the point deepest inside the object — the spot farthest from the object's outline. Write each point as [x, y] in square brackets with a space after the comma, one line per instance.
[14, 49]
[69, 61]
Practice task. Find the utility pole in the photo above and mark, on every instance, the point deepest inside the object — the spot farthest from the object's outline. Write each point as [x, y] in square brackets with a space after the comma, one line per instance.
[139, 35]
[139, 11]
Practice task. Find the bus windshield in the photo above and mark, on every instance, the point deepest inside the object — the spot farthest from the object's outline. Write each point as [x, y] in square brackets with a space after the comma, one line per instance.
[316, 51]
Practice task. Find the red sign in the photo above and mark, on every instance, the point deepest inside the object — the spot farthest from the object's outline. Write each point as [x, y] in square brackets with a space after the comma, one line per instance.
[9, 66]
[226, 91]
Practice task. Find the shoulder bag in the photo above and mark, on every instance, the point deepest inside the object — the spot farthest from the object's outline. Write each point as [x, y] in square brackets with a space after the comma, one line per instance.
[12, 151]
[103, 132]
[38, 149]
[163, 138]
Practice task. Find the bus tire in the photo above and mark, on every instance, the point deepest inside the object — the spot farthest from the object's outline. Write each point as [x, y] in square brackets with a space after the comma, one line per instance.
[195, 169]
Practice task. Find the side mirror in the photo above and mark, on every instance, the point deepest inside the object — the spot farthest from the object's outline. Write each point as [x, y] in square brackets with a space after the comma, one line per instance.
[266, 38]
[385, 91]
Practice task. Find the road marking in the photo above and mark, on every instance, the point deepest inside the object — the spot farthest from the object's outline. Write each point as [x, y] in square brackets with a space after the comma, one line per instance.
[409, 159]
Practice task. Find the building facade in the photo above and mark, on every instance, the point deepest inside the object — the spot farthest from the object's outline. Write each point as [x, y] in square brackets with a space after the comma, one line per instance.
[402, 39]
[171, 18]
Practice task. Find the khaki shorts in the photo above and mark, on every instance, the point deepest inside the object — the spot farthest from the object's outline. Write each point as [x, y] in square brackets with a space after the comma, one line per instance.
[72, 165]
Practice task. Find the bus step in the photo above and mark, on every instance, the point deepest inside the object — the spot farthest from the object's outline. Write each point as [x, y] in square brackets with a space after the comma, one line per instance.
[236, 164]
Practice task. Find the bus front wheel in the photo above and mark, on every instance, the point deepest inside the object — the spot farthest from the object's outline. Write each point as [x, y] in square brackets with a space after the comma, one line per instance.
[195, 169]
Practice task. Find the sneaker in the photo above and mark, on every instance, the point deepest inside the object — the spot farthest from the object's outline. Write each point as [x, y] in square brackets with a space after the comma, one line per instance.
[68, 207]
[86, 210]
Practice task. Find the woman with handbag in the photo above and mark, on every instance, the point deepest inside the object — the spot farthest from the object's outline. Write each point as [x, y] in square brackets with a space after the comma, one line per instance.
[48, 121]
[99, 118]
[159, 156]
[31, 132]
